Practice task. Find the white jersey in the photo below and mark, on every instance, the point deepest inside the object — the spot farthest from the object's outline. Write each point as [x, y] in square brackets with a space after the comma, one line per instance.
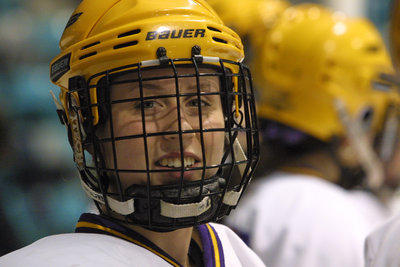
[303, 221]
[99, 242]
[372, 209]
[382, 247]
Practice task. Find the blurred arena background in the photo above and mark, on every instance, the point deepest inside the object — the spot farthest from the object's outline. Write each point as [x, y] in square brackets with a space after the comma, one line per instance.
[39, 189]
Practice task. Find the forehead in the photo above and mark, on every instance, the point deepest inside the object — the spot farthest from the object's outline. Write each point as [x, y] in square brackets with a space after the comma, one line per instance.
[165, 81]
[163, 76]
[179, 70]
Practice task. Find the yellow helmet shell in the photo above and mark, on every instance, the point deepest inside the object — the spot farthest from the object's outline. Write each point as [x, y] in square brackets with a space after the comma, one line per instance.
[311, 58]
[122, 32]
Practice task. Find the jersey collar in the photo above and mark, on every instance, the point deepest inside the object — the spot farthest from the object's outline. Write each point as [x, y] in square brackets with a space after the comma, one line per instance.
[213, 255]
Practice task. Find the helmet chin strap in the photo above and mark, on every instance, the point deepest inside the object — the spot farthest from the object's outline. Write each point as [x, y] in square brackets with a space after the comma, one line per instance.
[231, 197]
[360, 144]
[121, 207]
[170, 209]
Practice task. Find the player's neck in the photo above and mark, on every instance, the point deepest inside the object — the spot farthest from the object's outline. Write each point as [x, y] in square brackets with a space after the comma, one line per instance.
[175, 243]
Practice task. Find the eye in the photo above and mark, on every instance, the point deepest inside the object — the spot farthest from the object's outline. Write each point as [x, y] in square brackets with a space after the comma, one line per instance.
[146, 104]
[195, 102]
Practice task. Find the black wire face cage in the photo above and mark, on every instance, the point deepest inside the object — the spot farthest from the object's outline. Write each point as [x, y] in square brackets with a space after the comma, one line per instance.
[165, 153]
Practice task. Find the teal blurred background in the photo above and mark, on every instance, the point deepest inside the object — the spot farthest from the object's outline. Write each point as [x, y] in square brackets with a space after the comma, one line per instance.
[39, 187]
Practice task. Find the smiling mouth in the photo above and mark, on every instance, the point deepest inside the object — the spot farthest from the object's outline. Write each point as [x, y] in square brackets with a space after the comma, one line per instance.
[176, 162]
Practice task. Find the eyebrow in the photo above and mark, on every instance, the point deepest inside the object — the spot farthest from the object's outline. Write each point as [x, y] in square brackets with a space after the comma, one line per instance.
[207, 85]
[151, 85]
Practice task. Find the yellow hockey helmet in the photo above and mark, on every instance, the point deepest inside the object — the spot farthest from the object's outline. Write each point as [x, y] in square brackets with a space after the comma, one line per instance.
[314, 57]
[103, 41]
[319, 72]
[96, 40]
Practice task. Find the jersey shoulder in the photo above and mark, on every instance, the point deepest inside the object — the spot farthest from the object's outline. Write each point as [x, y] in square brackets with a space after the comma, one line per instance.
[383, 245]
[81, 249]
[236, 252]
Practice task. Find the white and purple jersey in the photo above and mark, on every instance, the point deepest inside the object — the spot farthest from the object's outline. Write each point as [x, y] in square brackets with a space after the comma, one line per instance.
[97, 241]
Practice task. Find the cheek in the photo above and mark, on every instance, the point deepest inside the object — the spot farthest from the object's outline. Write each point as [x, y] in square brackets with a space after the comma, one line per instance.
[218, 147]
[126, 124]
[214, 141]
[125, 149]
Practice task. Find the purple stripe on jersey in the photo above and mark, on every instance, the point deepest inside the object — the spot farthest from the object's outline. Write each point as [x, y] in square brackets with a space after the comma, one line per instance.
[220, 249]
[208, 249]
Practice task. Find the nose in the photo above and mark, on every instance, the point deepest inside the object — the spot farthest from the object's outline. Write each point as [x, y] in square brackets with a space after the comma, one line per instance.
[179, 124]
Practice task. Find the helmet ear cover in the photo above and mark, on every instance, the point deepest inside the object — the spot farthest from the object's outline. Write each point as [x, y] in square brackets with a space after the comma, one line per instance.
[78, 85]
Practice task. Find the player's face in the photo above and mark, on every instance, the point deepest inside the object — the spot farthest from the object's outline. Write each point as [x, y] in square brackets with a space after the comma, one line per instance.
[161, 115]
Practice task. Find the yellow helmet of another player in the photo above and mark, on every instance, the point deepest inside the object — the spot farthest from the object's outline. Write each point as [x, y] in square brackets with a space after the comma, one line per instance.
[312, 60]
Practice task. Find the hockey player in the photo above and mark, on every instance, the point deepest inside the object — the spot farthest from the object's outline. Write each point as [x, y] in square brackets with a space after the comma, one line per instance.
[153, 94]
[322, 105]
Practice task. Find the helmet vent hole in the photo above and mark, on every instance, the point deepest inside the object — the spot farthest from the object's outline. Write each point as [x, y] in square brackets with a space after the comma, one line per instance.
[88, 55]
[366, 117]
[372, 49]
[219, 40]
[129, 33]
[126, 44]
[213, 29]
[90, 45]
[381, 86]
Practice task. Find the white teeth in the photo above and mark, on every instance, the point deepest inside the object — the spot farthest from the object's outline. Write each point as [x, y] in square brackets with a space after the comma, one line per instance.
[189, 161]
[176, 162]
[164, 162]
